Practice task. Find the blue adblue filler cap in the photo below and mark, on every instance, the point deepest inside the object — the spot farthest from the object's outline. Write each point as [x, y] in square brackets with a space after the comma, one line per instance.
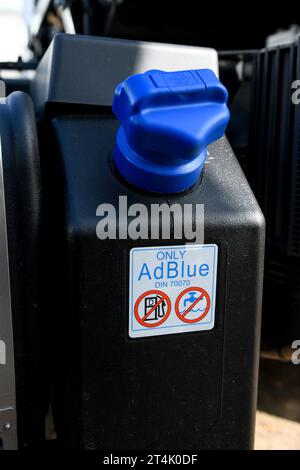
[167, 121]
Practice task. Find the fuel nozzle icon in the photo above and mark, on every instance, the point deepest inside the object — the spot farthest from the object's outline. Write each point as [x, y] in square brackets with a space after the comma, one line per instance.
[153, 303]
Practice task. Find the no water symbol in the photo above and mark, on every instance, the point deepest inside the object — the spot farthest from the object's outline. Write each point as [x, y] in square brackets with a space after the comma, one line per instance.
[152, 308]
[192, 305]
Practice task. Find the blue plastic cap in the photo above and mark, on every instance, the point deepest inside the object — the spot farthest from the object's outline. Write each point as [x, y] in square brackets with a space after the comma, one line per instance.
[167, 121]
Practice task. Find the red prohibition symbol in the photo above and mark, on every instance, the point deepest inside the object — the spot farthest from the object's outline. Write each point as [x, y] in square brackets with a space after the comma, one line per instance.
[159, 300]
[183, 315]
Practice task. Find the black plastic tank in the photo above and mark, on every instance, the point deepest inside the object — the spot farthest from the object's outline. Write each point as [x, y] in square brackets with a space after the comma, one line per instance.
[138, 362]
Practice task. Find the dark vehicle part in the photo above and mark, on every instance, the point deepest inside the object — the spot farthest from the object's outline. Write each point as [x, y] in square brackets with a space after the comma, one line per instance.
[69, 16]
[274, 174]
[154, 20]
[96, 362]
[21, 214]
[8, 421]
[263, 131]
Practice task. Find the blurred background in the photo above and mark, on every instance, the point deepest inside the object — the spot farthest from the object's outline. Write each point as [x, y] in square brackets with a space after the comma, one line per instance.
[223, 26]
[15, 16]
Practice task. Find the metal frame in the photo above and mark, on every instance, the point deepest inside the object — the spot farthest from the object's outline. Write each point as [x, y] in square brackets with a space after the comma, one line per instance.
[8, 416]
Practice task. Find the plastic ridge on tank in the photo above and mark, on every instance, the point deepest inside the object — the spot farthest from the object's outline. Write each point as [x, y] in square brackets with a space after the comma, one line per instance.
[167, 121]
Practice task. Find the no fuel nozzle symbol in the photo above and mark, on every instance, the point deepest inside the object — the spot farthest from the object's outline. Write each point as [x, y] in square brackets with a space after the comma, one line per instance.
[152, 308]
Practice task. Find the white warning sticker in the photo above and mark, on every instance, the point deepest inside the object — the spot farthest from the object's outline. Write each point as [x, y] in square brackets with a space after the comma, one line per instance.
[172, 289]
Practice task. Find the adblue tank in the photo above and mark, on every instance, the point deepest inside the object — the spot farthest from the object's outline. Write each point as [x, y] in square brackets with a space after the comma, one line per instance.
[156, 332]
[167, 121]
